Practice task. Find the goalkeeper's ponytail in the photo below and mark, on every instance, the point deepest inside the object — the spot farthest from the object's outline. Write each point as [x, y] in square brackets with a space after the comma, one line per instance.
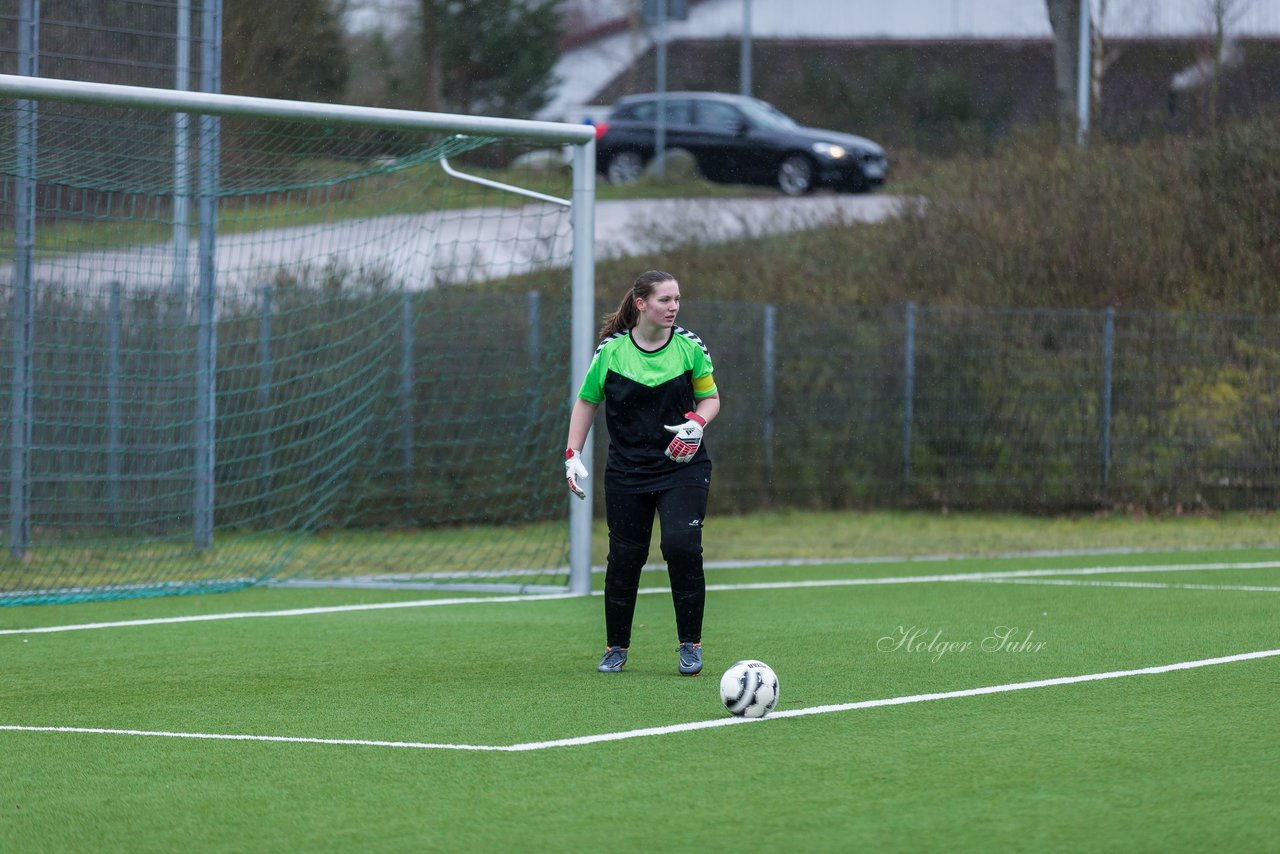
[627, 314]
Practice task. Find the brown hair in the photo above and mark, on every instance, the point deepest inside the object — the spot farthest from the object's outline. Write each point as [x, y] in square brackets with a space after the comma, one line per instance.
[627, 315]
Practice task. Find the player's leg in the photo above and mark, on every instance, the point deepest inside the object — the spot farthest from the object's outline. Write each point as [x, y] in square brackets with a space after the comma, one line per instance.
[630, 519]
[681, 512]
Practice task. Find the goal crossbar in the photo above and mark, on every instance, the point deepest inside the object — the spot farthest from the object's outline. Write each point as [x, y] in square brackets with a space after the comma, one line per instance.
[80, 91]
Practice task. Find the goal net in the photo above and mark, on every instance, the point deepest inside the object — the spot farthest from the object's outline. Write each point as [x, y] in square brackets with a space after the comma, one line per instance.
[248, 341]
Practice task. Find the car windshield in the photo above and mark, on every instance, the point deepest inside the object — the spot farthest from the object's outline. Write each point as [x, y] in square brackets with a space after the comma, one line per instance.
[766, 115]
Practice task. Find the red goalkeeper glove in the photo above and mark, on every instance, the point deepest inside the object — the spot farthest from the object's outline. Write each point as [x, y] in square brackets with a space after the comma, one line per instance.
[575, 471]
[688, 437]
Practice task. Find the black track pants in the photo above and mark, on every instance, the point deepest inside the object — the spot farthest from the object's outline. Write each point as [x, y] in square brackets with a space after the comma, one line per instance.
[680, 513]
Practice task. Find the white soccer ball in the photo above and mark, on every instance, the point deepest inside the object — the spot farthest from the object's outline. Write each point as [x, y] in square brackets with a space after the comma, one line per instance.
[749, 689]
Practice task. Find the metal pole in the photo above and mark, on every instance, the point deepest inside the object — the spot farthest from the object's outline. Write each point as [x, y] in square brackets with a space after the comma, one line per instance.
[181, 160]
[1082, 75]
[1104, 429]
[144, 98]
[266, 372]
[114, 324]
[406, 394]
[206, 332]
[534, 353]
[908, 390]
[744, 58]
[22, 309]
[660, 131]
[768, 393]
[582, 346]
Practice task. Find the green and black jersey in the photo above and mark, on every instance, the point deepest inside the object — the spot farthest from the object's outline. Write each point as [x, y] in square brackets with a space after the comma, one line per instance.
[643, 390]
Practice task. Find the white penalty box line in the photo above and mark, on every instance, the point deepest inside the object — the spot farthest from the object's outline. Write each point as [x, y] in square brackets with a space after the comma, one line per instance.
[1013, 576]
[671, 729]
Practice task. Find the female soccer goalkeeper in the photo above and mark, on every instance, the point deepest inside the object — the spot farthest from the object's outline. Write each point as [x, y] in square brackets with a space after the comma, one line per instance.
[659, 394]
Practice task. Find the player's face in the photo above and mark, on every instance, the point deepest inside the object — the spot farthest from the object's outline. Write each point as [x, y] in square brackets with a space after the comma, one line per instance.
[663, 304]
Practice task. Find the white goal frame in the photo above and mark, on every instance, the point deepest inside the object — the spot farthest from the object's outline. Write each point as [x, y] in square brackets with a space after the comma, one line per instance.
[579, 138]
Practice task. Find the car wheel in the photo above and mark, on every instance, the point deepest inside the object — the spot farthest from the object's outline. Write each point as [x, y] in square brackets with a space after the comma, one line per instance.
[795, 175]
[624, 167]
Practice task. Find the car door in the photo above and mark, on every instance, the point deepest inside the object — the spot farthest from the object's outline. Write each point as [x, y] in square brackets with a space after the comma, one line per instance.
[721, 142]
[679, 122]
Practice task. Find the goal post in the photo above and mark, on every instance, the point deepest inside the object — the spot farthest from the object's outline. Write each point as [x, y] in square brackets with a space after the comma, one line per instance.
[360, 375]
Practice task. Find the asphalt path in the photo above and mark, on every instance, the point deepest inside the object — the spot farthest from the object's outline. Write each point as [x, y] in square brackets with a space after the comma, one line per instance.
[458, 246]
[631, 227]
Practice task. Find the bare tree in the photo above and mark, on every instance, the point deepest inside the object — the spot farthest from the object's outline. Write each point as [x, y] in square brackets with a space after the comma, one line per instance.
[1101, 56]
[1064, 18]
[1223, 16]
[1138, 14]
[1219, 19]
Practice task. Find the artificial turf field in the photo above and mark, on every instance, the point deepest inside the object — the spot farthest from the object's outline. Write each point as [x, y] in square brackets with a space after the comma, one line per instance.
[455, 722]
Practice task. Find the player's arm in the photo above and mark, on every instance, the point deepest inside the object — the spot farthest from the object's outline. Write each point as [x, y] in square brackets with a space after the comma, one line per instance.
[708, 408]
[580, 420]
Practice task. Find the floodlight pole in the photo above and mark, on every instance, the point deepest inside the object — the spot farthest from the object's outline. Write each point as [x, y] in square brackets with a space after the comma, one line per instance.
[206, 332]
[660, 131]
[181, 159]
[1082, 74]
[23, 307]
[744, 58]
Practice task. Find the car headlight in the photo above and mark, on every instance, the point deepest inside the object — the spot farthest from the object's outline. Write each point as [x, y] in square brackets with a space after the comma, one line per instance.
[829, 149]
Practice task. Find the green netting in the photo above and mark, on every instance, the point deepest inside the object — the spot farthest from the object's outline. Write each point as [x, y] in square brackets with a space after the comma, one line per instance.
[381, 410]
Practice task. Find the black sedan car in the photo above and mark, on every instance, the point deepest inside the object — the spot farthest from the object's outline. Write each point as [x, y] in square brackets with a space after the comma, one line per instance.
[736, 140]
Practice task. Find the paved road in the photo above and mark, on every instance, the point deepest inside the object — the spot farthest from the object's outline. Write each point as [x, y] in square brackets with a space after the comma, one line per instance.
[463, 245]
[625, 228]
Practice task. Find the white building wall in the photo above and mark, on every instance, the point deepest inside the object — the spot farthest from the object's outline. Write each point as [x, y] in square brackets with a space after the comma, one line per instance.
[950, 19]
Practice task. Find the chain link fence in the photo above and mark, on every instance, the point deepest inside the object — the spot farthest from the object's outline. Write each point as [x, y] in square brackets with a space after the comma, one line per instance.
[132, 42]
[1035, 410]
[824, 407]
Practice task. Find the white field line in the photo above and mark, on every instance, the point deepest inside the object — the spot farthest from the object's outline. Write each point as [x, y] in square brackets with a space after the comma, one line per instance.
[671, 729]
[986, 576]
[939, 557]
[215, 736]
[1149, 585]
[758, 585]
[945, 557]
[291, 612]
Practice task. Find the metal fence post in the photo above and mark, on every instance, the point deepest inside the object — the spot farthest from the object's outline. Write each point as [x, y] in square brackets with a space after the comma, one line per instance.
[534, 353]
[22, 310]
[266, 372]
[767, 392]
[406, 393]
[181, 157]
[206, 331]
[114, 324]
[205, 392]
[1104, 427]
[908, 389]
